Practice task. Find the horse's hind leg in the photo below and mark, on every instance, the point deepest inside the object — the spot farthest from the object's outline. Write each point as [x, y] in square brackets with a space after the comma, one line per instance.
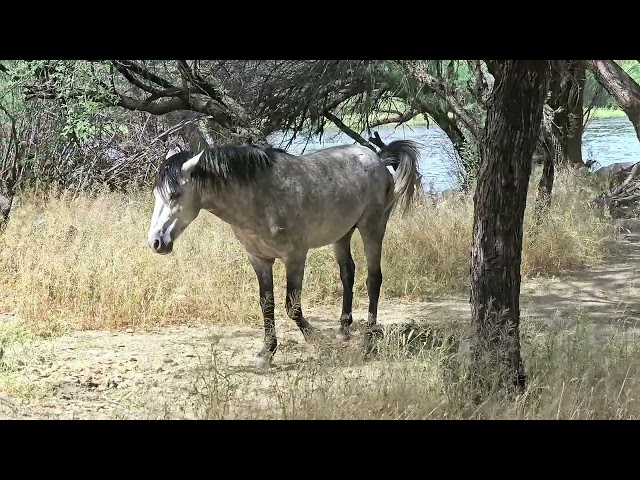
[294, 266]
[372, 233]
[264, 272]
[342, 252]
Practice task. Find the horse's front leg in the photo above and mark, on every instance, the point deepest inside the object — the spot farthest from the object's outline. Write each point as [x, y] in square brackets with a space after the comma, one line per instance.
[294, 266]
[264, 271]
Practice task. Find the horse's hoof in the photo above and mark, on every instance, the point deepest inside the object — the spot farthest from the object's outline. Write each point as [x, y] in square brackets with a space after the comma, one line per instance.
[262, 362]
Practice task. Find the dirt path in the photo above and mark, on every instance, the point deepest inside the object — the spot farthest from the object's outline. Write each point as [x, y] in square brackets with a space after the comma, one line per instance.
[103, 375]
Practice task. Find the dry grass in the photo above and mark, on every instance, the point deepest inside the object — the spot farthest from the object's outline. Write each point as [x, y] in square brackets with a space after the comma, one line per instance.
[84, 263]
[572, 374]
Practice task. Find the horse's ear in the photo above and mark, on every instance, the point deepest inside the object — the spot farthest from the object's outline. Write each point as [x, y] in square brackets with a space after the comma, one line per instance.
[190, 164]
[172, 152]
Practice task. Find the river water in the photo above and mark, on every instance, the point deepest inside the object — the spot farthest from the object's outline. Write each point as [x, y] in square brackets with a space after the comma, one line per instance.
[607, 141]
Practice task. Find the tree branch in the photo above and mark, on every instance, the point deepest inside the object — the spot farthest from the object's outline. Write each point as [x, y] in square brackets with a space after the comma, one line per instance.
[419, 72]
[352, 133]
[398, 119]
[124, 71]
[144, 73]
[190, 75]
[481, 87]
[622, 87]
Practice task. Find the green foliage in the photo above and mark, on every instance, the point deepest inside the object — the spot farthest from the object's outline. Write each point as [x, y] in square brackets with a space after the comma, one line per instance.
[80, 89]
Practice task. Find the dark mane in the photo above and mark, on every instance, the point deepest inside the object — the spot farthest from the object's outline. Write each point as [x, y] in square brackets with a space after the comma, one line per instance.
[218, 166]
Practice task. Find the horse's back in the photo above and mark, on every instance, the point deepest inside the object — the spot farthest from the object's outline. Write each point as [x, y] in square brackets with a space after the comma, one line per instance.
[344, 154]
[322, 195]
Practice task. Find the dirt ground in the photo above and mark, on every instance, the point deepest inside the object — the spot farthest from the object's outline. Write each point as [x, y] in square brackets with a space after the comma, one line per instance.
[103, 375]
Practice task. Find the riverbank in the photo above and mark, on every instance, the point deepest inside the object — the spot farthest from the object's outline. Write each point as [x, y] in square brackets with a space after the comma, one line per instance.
[420, 121]
[606, 113]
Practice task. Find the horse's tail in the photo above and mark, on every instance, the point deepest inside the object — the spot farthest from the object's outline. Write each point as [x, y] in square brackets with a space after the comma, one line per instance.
[403, 156]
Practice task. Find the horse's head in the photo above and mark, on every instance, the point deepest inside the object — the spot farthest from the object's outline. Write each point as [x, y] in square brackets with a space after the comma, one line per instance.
[177, 201]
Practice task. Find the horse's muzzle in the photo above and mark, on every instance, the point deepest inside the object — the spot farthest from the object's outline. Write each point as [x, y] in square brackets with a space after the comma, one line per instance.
[158, 246]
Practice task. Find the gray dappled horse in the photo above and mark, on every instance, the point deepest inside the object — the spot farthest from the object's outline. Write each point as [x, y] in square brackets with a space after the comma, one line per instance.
[281, 205]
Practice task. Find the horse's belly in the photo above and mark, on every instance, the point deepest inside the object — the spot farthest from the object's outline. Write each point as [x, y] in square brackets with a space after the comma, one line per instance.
[330, 230]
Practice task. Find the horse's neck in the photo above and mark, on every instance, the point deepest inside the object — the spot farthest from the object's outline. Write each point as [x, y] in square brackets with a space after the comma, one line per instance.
[228, 204]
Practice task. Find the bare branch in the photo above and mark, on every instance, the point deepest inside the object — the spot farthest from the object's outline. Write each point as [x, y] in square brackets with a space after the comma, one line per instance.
[377, 140]
[124, 71]
[352, 133]
[398, 119]
[144, 73]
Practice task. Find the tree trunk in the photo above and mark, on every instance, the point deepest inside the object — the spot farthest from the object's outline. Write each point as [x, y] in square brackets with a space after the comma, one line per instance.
[562, 125]
[514, 118]
[565, 100]
[545, 185]
[624, 89]
[6, 202]
[576, 112]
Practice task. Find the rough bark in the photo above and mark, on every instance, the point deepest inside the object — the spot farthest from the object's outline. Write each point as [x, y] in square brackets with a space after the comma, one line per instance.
[545, 185]
[512, 130]
[548, 146]
[562, 126]
[565, 100]
[624, 90]
[576, 112]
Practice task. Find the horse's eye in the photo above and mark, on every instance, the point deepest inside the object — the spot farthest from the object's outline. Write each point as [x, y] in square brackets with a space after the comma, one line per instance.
[174, 196]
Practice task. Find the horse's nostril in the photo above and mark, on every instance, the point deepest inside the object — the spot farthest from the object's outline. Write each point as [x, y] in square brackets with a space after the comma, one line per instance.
[156, 244]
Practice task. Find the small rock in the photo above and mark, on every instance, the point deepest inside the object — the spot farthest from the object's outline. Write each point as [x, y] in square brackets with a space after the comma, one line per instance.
[129, 330]
[133, 359]
[190, 355]
[90, 383]
[168, 360]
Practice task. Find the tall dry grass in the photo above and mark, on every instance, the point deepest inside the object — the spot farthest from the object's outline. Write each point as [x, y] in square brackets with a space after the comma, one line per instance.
[84, 262]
